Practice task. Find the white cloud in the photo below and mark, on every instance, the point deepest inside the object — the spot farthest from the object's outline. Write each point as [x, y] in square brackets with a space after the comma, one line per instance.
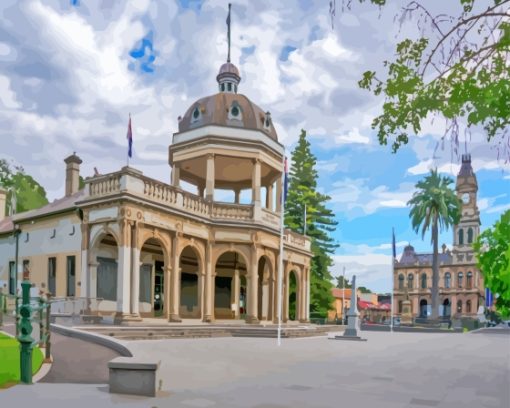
[7, 96]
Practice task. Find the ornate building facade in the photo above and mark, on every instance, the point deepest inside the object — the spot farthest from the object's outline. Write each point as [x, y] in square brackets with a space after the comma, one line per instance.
[137, 247]
[461, 288]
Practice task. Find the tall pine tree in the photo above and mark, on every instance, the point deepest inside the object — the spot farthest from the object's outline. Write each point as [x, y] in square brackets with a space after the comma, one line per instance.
[320, 222]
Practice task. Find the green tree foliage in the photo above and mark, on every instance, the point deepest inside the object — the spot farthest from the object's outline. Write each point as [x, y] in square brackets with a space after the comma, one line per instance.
[29, 193]
[363, 289]
[340, 282]
[492, 249]
[457, 68]
[434, 205]
[320, 222]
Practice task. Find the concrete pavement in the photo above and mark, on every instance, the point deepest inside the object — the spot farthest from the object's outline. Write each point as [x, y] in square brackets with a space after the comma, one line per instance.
[390, 370]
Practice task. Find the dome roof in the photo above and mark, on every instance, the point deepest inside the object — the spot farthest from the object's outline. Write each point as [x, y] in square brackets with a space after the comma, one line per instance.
[227, 109]
[229, 68]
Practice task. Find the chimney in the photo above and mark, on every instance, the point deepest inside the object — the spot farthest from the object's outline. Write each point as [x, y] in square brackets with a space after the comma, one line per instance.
[72, 174]
[3, 199]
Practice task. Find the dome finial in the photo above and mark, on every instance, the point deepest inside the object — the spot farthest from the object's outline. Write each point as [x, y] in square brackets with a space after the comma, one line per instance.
[228, 78]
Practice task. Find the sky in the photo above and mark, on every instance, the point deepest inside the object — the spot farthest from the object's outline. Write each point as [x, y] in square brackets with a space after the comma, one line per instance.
[73, 70]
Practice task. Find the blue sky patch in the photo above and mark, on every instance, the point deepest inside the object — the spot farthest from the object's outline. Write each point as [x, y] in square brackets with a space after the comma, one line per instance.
[284, 55]
[144, 54]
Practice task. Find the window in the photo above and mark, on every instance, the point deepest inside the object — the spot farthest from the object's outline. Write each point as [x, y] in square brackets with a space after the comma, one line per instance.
[424, 281]
[52, 275]
[468, 306]
[12, 278]
[222, 87]
[459, 306]
[410, 281]
[107, 279]
[196, 113]
[401, 281]
[400, 306]
[71, 276]
[470, 236]
[460, 277]
[461, 237]
[235, 111]
[447, 280]
[145, 283]
[469, 280]
[229, 87]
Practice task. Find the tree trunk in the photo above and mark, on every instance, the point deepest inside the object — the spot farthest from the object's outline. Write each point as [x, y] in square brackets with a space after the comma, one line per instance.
[435, 271]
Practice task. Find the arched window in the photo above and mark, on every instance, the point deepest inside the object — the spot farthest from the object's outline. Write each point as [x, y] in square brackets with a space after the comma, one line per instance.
[460, 277]
[468, 306]
[222, 87]
[424, 281]
[459, 306]
[400, 306]
[401, 281]
[447, 280]
[470, 235]
[461, 237]
[410, 281]
[469, 280]
[229, 86]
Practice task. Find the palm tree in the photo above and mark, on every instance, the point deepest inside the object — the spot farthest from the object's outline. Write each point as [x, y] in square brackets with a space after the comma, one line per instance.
[434, 205]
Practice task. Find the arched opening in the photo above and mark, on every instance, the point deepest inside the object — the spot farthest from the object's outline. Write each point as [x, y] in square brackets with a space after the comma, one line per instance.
[423, 308]
[190, 269]
[293, 300]
[401, 281]
[230, 291]
[106, 279]
[470, 235]
[447, 280]
[424, 281]
[446, 308]
[469, 280]
[459, 306]
[468, 306]
[152, 279]
[460, 278]
[461, 237]
[410, 281]
[265, 289]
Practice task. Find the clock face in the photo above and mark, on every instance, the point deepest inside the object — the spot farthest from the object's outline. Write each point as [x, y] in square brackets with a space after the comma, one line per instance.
[465, 198]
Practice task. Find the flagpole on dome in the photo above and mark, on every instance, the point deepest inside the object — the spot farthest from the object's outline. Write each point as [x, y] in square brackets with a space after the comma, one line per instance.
[282, 199]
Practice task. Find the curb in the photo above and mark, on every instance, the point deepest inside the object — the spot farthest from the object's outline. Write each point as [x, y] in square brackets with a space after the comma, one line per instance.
[100, 339]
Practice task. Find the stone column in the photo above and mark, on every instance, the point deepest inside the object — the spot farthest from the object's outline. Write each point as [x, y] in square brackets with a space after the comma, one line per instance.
[252, 289]
[84, 274]
[92, 283]
[135, 271]
[124, 281]
[201, 279]
[269, 197]
[209, 184]
[285, 315]
[176, 175]
[255, 183]
[278, 195]
[209, 285]
[308, 294]
[237, 193]
[237, 288]
[302, 297]
[174, 285]
[167, 271]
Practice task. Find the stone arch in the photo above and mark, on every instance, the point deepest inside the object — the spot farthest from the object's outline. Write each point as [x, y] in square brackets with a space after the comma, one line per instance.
[224, 248]
[423, 308]
[230, 277]
[292, 294]
[191, 270]
[266, 287]
[151, 283]
[103, 269]
[196, 244]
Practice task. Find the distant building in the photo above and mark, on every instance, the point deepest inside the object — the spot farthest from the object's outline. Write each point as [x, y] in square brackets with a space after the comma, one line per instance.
[461, 287]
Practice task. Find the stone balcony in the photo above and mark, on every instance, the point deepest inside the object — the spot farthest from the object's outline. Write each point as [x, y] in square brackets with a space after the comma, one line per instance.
[132, 183]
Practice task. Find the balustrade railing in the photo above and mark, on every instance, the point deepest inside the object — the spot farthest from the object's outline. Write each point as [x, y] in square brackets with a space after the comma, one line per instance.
[232, 211]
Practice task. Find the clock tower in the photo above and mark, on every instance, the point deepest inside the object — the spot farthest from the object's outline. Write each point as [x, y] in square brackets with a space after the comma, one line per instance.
[468, 228]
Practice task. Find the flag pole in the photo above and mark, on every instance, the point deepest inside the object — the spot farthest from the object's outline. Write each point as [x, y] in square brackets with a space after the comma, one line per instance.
[393, 255]
[343, 297]
[304, 222]
[280, 264]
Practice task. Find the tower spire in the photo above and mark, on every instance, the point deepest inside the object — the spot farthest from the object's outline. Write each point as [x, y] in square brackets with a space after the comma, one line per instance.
[228, 25]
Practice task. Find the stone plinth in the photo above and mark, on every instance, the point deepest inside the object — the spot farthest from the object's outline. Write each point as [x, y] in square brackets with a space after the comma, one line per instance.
[129, 375]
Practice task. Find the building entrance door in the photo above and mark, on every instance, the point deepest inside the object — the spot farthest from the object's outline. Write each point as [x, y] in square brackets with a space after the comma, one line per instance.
[159, 291]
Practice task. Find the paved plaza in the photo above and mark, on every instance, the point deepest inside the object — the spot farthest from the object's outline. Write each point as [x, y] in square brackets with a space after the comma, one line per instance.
[389, 370]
